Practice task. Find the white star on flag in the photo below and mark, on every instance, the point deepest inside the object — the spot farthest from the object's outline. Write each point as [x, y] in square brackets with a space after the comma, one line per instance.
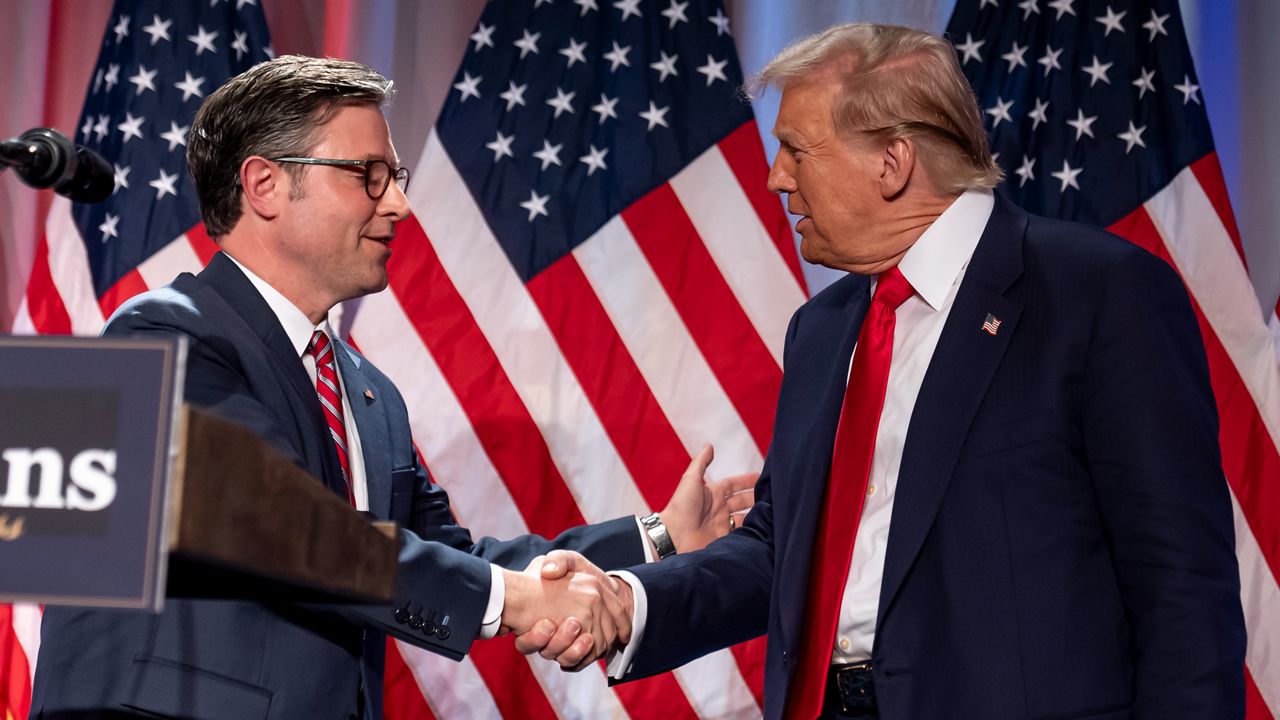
[594, 160]
[1097, 71]
[536, 205]
[1111, 21]
[1190, 91]
[562, 102]
[1038, 113]
[175, 135]
[164, 184]
[158, 30]
[483, 36]
[1067, 176]
[241, 43]
[665, 66]
[1015, 56]
[1156, 25]
[1132, 136]
[501, 145]
[514, 94]
[721, 21]
[1029, 7]
[617, 56]
[131, 127]
[1000, 112]
[1050, 59]
[122, 28]
[113, 75]
[969, 48]
[714, 70]
[549, 154]
[1026, 171]
[190, 86]
[605, 108]
[1082, 124]
[575, 52]
[203, 40]
[675, 13]
[1063, 7]
[656, 115]
[1143, 83]
[586, 5]
[121, 178]
[144, 79]
[528, 43]
[101, 128]
[628, 8]
[108, 227]
[468, 86]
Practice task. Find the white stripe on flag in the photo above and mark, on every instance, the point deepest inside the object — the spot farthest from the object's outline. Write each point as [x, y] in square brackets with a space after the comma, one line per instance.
[714, 685]
[69, 268]
[479, 498]
[678, 375]
[1204, 254]
[168, 262]
[741, 247]
[26, 626]
[22, 322]
[1260, 597]
[454, 689]
[519, 336]
[459, 464]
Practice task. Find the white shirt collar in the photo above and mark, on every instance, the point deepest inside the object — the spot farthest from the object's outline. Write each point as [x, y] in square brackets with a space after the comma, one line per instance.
[934, 262]
[297, 326]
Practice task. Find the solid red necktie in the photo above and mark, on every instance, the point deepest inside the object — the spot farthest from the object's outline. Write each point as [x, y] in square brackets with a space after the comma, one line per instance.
[846, 490]
[329, 389]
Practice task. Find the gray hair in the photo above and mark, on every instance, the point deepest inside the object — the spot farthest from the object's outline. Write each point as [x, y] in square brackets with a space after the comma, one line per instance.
[273, 110]
[899, 83]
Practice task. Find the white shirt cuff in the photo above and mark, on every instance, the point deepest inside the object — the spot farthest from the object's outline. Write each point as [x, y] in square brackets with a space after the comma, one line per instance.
[492, 619]
[618, 662]
[645, 543]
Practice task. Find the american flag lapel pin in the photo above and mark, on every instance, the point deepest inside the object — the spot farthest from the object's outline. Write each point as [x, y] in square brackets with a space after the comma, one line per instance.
[368, 394]
[991, 325]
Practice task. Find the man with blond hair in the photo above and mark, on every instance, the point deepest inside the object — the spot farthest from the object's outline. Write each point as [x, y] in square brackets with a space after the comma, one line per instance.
[994, 488]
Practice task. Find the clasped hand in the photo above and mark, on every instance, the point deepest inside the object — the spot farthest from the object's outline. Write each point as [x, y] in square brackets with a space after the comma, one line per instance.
[566, 609]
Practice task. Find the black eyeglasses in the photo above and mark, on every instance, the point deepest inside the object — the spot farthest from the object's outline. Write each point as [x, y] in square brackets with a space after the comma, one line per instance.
[377, 173]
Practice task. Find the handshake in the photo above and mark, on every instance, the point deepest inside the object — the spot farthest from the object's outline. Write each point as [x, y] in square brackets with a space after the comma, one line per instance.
[568, 610]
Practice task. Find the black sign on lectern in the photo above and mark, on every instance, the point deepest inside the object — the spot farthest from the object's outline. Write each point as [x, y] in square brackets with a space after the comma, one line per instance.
[86, 452]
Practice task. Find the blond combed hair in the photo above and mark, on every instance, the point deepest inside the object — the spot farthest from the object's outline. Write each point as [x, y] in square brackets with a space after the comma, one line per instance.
[897, 83]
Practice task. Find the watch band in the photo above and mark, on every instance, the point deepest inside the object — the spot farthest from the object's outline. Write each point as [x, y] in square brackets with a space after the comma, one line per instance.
[658, 534]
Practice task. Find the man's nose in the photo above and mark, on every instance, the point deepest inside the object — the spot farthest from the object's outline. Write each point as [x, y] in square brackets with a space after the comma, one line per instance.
[780, 177]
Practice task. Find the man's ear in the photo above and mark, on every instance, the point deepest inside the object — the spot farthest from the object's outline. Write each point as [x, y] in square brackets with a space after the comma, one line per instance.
[899, 161]
[265, 186]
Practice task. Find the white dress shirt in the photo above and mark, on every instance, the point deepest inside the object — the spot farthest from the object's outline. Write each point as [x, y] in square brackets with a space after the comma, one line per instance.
[934, 266]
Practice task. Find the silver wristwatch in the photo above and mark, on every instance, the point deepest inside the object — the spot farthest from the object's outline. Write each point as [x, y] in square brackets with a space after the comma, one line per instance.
[659, 535]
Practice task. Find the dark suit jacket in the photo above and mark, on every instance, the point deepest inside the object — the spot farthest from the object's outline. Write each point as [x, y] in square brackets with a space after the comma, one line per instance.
[222, 659]
[1061, 542]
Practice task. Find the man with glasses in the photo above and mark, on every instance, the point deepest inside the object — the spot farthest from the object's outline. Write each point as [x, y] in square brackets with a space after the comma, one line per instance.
[294, 164]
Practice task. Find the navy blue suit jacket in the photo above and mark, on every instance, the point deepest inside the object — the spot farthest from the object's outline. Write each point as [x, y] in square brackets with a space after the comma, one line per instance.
[221, 659]
[1061, 541]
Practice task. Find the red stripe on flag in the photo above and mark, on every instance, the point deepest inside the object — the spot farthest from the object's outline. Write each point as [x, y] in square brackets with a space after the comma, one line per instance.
[401, 697]
[744, 152]
[1255, 708]
[720, 328]
[502, 423]
[1208, 172]
[204, 247]
[337, 21]
[15, 673]
[1250, 460]
[129, 284]
[608, 375]
[44, 304]
[514, 687]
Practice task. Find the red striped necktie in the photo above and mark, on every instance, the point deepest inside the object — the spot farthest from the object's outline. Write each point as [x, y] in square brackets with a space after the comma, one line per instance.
[329, 389]
[846, 490]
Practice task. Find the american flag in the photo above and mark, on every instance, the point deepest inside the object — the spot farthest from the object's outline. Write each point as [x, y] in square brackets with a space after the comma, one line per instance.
[596, 282]
[1095, 112]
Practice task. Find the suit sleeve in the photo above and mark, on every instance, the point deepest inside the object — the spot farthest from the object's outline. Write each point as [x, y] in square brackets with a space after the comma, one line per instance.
[1151, 441]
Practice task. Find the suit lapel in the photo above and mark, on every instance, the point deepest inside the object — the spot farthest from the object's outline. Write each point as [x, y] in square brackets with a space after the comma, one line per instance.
[230, 283]
[371, 422]
[959, 374]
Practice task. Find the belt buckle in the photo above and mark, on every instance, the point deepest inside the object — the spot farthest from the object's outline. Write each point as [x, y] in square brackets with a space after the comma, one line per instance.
[861, 697]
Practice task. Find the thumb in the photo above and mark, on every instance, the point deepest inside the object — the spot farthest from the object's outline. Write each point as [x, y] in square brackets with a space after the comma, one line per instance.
[557, 564]
[698, 466]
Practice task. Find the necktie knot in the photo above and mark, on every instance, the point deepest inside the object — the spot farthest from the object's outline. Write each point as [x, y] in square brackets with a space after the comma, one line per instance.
[892, 289]
[319, 345]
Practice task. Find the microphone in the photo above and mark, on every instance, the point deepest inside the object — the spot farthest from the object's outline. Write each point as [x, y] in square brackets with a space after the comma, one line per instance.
[46, 158]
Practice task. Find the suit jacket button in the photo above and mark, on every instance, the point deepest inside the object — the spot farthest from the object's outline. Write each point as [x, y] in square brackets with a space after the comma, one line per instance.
[428, 629]
[416, 622]
[442, 632]
[402, 615]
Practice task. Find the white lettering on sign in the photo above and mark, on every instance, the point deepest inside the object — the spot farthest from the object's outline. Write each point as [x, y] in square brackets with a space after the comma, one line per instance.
[92, 476]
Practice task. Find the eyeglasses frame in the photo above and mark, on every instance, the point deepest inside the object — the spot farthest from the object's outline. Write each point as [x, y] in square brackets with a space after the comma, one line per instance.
[393, 174]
